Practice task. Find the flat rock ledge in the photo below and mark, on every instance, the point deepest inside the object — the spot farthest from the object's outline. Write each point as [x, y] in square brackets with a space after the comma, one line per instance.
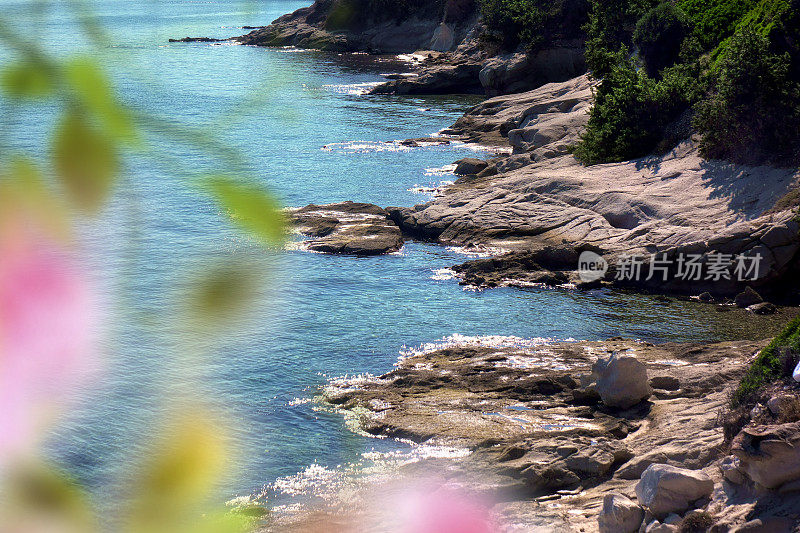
[347, 228]
[550, 449]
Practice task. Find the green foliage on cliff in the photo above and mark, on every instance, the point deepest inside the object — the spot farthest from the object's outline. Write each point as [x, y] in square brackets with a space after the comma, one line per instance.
[753, 107]
[739, 62]
[775, 362]
[610, 26]
[632, 111]
[658, 36]
[354, 15]
[533, 22]
[714, 20]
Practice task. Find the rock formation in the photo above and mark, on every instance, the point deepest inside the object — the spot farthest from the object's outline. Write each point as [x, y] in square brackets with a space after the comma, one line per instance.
[347, 228]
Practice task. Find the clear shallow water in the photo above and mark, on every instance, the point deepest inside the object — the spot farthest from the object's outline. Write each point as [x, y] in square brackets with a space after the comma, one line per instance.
[312, 138]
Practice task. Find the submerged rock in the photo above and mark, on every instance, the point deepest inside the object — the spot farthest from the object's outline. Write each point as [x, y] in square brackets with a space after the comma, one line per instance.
[196, 40]
[425, 141]
[763, 308]
[348, 228]
[665, 489]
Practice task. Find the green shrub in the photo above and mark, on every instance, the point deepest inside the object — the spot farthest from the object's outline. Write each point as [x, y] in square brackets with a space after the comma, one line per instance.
[516, 20]
[534, 22]
[631, 111]
[658, 36]
[779, 22]
[775, 362]
[609, 27]
[752, 112]
[714, 20]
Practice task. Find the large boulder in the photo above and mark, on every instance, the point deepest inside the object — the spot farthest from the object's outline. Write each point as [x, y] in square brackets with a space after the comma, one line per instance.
[769, 455]
[621, 380]
[619, 515]
[469, 165]
[665, 489]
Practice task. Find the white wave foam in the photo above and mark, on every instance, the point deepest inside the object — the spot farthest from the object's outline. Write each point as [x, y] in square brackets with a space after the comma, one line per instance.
[484, 341]
[435, 190]
[441, 171]
[355, 89]
[478, 250]
[363, 147]
[443, 274]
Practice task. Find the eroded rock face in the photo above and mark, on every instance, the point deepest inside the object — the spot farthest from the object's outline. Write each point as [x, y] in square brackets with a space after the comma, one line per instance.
[769, 455]
[619, 515]
[309, 27]
[665, 489]
[621, 380]
[673, 205]
[347, 228]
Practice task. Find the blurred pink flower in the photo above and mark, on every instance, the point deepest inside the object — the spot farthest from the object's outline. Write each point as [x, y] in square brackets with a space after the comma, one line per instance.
[446, 511]
[45, 332]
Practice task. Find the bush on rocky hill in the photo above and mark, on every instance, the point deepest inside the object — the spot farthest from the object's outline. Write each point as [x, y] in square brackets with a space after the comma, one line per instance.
[533, 23]
[356, 14]
[752, 113]
[659, 35]
[742, 80]
[775, 362]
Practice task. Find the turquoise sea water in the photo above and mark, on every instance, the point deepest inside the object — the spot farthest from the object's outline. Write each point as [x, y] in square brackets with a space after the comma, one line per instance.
[311, 137]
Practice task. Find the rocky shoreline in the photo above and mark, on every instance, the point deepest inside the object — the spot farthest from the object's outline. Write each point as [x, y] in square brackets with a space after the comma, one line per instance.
[612, 436]
[567, 437]
[542, 208]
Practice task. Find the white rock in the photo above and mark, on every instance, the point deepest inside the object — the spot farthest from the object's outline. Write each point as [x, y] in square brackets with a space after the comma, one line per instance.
[621, 380]
[665, 489]
[619, 515]
[796, 373]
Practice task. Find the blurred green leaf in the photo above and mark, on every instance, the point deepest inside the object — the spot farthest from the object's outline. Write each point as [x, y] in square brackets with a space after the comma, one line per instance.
[26, 80]
[41, 498]
[224, 521]
[222, 294]
[250, 207]
[91, 86]
[178, 478]
[85, 160]
[23, 187]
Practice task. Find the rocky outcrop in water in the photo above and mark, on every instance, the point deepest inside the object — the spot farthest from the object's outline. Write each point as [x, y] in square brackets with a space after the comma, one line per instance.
[659, 209]
[347, 228]
[569, 464]
[448, 44]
